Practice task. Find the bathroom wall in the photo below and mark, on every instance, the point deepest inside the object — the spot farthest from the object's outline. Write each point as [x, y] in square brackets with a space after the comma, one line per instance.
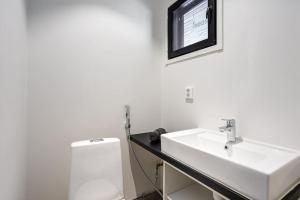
[87, 60]
[255, 79]
[13, 89]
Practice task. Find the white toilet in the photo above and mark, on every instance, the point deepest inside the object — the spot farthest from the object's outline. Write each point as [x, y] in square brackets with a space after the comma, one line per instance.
[96, 171]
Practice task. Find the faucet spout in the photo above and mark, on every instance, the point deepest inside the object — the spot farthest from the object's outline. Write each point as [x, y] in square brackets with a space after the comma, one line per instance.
[230, 129]
[223, 128]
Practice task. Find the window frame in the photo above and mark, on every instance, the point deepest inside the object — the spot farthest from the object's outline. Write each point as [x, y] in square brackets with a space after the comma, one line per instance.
[212, 30]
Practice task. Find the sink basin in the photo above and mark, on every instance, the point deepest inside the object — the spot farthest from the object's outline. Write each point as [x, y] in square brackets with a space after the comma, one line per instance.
[254, 169]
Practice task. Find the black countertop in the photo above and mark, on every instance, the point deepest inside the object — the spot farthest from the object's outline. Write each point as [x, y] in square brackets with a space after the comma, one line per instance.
[143, 141]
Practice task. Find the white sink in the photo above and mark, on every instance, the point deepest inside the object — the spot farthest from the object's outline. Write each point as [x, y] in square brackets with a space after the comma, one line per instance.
[254, 169]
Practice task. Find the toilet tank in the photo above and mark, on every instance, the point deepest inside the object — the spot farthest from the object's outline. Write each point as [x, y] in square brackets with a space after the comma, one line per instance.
[96, 170]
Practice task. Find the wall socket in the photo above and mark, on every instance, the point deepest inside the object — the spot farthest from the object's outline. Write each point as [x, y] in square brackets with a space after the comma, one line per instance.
[189, 94]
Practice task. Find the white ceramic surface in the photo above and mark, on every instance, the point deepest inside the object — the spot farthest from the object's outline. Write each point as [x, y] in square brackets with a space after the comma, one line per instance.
[257, 170]
[96, 172]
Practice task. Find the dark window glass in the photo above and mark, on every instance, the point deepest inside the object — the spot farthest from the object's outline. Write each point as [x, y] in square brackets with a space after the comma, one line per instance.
[191, 26]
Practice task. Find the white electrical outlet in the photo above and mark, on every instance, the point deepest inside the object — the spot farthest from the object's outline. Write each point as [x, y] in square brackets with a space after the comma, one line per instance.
[189, 93]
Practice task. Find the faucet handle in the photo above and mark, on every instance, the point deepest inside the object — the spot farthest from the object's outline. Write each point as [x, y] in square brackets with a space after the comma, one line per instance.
[229, 122]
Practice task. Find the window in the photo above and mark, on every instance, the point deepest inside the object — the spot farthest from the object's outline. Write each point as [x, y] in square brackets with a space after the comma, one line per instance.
[191, 26]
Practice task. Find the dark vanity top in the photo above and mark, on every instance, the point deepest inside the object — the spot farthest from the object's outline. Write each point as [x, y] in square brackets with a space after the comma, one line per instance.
[143, 141]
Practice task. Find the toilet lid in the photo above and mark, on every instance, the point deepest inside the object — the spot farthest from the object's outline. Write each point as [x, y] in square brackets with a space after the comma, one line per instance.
[98, 190]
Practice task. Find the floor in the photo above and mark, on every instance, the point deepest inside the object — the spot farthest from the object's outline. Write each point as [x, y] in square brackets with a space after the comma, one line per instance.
[152, 196]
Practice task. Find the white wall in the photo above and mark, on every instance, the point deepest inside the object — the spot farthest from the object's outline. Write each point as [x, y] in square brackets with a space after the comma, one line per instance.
[13, 89]
[254, 80]
[87, 59]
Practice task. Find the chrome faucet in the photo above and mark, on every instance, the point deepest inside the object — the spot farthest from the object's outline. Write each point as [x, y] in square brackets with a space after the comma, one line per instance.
[230, 129]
